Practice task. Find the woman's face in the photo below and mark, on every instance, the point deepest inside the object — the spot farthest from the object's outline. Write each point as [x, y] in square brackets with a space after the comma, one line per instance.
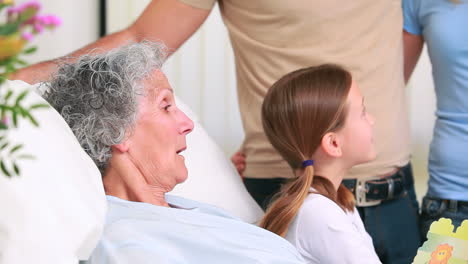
[159, 136]
[358, 140]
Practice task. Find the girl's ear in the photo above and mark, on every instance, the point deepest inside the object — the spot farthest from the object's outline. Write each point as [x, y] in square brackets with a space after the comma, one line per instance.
[331, 145]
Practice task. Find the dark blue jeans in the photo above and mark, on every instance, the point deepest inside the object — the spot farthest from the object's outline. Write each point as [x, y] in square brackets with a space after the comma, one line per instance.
[263, 190]
[394, 226]
[433, 209]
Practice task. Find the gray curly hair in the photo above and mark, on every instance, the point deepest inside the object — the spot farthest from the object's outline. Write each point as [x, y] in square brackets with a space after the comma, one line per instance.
[98, 94]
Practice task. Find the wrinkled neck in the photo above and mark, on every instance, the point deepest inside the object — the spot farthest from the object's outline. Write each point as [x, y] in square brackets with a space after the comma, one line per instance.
[124, 180]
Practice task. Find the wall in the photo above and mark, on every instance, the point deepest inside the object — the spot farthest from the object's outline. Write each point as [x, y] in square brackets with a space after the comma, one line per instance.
[422, 113]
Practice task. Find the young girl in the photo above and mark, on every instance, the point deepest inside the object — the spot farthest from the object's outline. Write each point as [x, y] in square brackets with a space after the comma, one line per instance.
[316, 119]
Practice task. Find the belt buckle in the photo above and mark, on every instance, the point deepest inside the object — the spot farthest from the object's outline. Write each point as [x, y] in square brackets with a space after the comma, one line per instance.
[360, 193]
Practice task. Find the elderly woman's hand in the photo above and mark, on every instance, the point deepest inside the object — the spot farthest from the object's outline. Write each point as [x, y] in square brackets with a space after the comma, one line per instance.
[238, 159]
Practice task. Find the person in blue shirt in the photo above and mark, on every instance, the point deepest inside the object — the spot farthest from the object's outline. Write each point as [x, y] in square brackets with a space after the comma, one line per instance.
[121, 108]
[442, 25]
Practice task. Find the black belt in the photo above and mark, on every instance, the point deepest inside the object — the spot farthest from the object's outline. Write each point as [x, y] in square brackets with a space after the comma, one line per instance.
[451, 204]
[443, 204]
[372, 191]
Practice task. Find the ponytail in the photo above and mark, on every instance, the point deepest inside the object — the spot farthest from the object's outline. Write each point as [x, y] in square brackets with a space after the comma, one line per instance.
[345, 198]
[282, 211]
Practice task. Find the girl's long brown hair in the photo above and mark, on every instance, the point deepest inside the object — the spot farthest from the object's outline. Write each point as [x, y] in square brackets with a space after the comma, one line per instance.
[298, 110]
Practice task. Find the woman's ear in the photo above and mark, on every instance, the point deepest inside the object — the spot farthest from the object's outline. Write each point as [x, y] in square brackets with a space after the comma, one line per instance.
[331, 145]
[122, 147]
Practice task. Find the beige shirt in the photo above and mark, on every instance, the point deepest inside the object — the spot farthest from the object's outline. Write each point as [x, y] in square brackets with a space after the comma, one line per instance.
[273, 37]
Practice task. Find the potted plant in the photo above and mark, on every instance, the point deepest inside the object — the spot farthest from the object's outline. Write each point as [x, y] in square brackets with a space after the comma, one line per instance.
[20, 25]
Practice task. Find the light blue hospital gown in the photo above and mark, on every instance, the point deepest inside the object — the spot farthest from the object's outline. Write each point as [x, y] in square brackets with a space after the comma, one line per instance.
[189, 232]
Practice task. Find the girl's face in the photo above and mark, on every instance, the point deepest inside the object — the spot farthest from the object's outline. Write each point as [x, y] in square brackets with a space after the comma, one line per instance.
[357, 133]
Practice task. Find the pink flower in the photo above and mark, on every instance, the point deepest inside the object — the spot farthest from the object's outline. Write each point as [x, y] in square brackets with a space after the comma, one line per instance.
[23, 13]
[30, 21]
[51, 20]
[35, 5]
[39, 22]
[11, 11]
[5, 121]
[27, 36]
[38, 27]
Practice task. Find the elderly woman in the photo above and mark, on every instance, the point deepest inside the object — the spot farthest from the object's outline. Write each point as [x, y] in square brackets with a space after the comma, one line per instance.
[122, 110]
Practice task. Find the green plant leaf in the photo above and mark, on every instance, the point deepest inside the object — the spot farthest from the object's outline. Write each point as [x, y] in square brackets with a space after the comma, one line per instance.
[6, 61]
[16, 148]
[16, 169]
[21, 110]
[21, 97]
[14, 117]
[30, 50]
[37, 106]
[25, 113]
[2, 5]
[3, 126]
[8, 29]
[32, 119]
[4, 108]
[4, 169]
[26, 156]
[9, 68]
[4, 145]
[22, 62]
[8, 96]
[27, 14]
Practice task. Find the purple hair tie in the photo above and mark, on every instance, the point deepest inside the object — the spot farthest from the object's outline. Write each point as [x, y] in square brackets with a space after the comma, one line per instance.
[306, 163]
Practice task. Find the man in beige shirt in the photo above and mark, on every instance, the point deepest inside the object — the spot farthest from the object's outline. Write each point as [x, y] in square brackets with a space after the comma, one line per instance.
[273, 37]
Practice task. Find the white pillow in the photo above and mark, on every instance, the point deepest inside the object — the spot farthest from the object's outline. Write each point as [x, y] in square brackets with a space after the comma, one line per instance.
[211, 176]
[54, 212]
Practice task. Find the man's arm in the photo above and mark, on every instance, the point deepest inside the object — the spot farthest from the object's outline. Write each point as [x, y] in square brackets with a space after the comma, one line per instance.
[169, 21]
[412, 45]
